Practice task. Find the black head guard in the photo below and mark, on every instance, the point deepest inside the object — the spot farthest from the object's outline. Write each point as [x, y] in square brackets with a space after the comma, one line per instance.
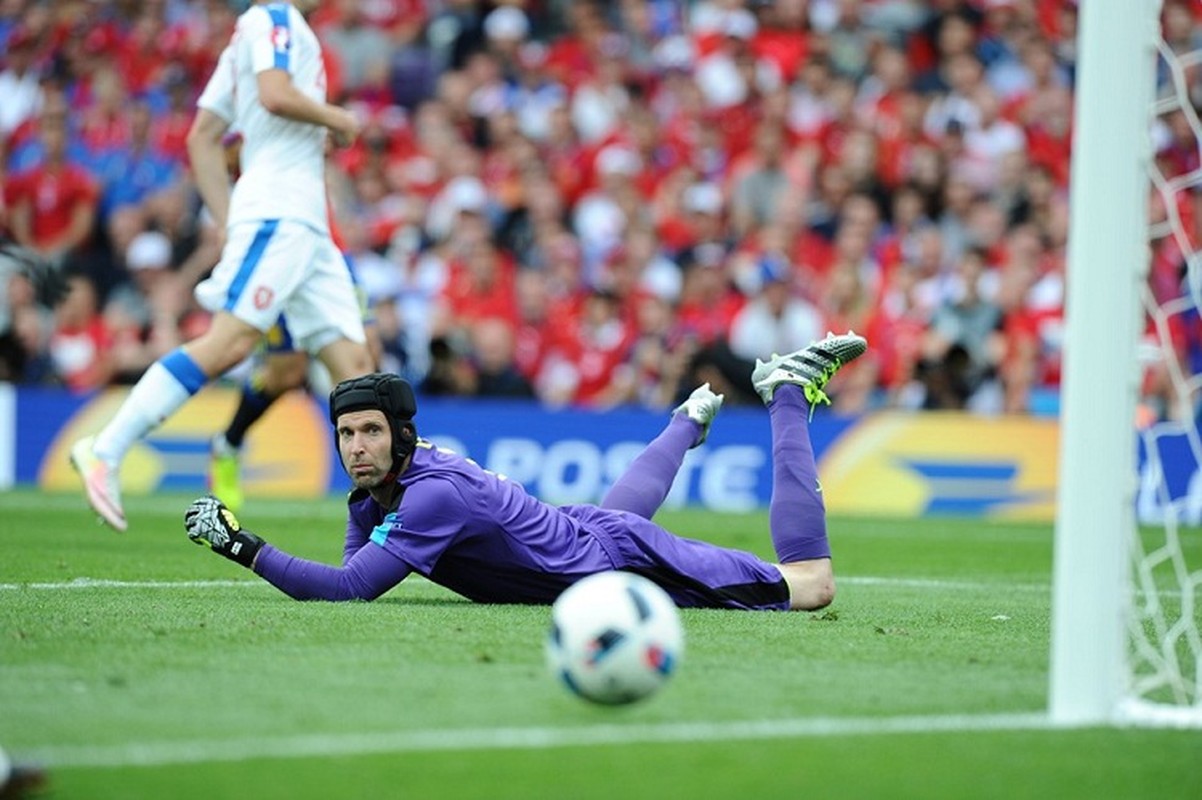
[383, 392]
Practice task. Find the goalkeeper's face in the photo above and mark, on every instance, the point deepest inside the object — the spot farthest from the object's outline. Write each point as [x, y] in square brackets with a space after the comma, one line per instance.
[365, 445]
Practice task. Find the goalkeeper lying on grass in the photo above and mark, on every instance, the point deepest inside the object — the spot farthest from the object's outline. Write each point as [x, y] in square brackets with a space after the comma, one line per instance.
[416, 508]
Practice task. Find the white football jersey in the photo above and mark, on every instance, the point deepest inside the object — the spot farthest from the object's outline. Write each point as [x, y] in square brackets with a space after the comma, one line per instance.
[282, 161]
[218, 94]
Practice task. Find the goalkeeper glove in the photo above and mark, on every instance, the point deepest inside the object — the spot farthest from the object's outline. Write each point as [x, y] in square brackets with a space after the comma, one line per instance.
[208, 521]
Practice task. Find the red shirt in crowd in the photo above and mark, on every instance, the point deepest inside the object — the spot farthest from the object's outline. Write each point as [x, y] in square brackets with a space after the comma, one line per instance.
[78, 354]
[53, 194]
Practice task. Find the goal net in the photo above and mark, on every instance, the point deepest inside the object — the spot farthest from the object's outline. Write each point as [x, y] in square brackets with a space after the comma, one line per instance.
[1126, 646]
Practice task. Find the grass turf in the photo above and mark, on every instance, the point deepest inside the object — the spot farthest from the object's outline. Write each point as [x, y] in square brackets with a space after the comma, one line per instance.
[195, 679]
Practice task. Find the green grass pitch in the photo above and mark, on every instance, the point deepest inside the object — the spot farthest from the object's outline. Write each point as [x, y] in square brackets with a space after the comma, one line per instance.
[138, 665]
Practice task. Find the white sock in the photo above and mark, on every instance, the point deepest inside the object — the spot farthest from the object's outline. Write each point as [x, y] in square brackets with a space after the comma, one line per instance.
[158, 394]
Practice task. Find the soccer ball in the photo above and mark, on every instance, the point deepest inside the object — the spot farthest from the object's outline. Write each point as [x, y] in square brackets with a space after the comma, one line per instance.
[615, 638]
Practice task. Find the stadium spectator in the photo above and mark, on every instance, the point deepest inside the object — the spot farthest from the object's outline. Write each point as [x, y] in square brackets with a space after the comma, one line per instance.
[437, 514]
[963, 348]
[20, 83]
[51, 207]
[659, 356]
[363, 50]
[141, 314]
[25, 149]
[600, 216]
[601, 99]
[849, 41]
[171, 107]
[81, 347]
[532, 94]
[897, 329]
[587, 362]
[536, 319]
[456, 31]
[1005, 30]
[774, 319]
[450, 370]
[105, 125]
[480, 286]
[138, 168]
[708, 301]
[950, 31]
[1046, 115]
[760, 185]
[495, 373]
[506, 29]
[29, 288]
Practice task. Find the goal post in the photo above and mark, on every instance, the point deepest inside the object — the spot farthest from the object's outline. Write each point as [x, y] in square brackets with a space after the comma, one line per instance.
[1100, 629]
[1107, 254]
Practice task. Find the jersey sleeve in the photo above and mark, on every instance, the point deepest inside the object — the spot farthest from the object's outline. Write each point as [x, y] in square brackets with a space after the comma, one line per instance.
[356, 536]
[218, 94]
[267, 34]
[429, 520]
[368, 574]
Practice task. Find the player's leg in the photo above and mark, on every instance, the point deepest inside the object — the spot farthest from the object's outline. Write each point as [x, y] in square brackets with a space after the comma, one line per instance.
[790, 386]
[257, 273]
[697, 574]
[371, 328]
[641, 489]
[282, 370]
[326, 317]
[158, 394]
[346, 359]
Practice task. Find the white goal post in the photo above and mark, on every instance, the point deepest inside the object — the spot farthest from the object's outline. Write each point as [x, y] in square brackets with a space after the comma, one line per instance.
[1100, 623]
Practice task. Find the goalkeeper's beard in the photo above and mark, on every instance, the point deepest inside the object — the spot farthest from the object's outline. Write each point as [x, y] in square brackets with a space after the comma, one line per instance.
[373, 478]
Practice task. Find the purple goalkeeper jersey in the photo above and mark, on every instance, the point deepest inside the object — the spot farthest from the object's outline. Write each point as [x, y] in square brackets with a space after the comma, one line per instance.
[484, 537]
[480, 534]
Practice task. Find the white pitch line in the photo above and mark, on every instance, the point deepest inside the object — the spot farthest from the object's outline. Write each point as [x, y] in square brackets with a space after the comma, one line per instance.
[197, 751]
[936, 583]
[103, 583]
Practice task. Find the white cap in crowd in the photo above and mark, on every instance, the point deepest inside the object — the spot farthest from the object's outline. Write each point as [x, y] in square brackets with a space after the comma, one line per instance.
[675, 52]
[616, 159]
[506, 22]
[740, 23]
[463, 193]
[148, 250]
[703, 198]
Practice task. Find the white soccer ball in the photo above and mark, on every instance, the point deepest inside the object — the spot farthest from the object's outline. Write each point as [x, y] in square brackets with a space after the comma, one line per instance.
[615, 638]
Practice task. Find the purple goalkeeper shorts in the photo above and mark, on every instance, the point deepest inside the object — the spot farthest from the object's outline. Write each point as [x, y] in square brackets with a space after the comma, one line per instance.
[696, 574]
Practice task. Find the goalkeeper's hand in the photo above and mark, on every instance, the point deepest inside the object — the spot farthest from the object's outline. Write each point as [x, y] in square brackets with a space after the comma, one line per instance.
[208, 521]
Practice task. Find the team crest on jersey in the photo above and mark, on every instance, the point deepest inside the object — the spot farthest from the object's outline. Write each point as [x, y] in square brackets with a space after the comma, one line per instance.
[280, 38]
[263, 297]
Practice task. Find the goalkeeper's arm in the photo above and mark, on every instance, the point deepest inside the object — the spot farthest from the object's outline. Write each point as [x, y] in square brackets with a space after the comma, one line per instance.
[366, 575]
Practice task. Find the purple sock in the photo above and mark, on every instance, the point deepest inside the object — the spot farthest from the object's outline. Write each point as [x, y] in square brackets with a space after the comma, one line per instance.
[796, 514]
[643, 486]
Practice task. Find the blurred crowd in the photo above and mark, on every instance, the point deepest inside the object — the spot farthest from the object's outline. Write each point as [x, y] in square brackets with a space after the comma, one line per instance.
[589, 203]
